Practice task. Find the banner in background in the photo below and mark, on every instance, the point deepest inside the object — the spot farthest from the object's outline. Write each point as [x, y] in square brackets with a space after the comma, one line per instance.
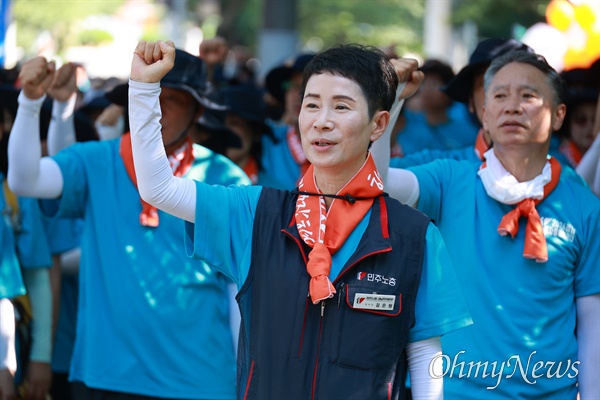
[4, 22]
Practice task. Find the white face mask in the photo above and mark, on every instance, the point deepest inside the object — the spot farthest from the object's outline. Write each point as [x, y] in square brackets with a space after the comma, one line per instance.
[503, 187]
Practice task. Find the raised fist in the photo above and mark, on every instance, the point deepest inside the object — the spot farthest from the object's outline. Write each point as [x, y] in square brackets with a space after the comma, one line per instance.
[64, 84]
[36, 76]
[152, 60]
[214, 51]
[407, 71]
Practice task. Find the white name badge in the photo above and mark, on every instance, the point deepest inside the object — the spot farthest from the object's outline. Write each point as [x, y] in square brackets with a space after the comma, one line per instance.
[370, 301]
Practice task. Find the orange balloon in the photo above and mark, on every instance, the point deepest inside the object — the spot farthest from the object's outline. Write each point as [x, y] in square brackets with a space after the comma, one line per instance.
[575, 59]
[592, 46]
[560, 14]
[584, 15]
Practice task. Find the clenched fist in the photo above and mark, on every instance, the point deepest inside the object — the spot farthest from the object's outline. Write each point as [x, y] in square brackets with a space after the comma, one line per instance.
[36, 76]
[152, 60]
[214, 51]
[64, 84]
[407, 71]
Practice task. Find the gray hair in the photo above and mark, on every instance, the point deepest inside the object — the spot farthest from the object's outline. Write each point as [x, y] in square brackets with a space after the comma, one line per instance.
[524, 57]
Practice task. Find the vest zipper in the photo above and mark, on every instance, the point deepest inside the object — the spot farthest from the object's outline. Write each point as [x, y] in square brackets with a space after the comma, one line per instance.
[314, 388]
[341, 294]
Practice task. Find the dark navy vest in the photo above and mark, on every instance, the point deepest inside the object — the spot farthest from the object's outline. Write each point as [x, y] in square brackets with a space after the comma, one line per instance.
[291, 349]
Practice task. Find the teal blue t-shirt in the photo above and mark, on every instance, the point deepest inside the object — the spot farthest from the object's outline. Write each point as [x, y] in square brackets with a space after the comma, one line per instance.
[277, 158]
[11, 280]
[64, 234]
[457, 132]
[151, 320]
[32, 242]
[223, 239]
[427, 155]
[523, 312]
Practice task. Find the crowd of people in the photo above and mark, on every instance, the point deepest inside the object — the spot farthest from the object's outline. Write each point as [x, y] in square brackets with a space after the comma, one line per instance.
[353, 227]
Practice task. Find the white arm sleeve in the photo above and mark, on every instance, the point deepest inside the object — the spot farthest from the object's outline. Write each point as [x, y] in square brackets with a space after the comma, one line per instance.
[589, 166]
[30, 175]
[588, 332]
[37, 282]
[401, 184]
[156, 182]
[61, 133]
[420, 354]
[8, 357]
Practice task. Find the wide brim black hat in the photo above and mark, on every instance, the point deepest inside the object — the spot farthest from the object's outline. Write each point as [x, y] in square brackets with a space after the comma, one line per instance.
[188, 74]
[213, 121]
[461, 86]
[275, 79]
[247, 102]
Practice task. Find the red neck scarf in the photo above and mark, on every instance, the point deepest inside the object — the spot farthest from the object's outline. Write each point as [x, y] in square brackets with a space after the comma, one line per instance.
[481, 147]
[326, 231]
[535, 241]
[181, 161]
[571, 152]
[251, 169]
[295, 146]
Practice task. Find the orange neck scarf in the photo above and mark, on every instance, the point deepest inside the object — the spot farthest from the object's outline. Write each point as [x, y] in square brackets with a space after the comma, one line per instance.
[295, 146]
[181, 161]
[251, 169]
[327, 230]
[571, 152]
[481, 147]
[535, 241]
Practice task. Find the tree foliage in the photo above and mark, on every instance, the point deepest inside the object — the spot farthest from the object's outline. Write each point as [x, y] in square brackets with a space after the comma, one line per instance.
[57, 17]
[377, 22]
[497, 18]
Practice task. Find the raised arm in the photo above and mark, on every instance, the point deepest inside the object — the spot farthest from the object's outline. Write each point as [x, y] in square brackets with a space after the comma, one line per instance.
[29, 174]
[156, 183]
[401, 184]
[63, 90]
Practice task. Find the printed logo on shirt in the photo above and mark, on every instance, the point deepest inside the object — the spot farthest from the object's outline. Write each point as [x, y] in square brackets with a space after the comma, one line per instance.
[376, 278]
[556, 228]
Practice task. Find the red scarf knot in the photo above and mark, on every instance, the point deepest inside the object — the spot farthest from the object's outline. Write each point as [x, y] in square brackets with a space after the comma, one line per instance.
[327, 230]
[535, 242]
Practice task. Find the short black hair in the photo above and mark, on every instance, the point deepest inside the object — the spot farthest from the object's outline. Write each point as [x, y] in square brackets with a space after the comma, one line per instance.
[439, 68]
[368, 66]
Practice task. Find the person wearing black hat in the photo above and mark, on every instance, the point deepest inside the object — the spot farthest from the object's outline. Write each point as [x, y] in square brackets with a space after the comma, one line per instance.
[467, 87]
[152, 324]
[245, 117]
[18, 279]
[282, 152]
[23, 240]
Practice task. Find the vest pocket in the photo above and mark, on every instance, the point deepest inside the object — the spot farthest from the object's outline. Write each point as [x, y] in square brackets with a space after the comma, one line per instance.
[372, 328]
